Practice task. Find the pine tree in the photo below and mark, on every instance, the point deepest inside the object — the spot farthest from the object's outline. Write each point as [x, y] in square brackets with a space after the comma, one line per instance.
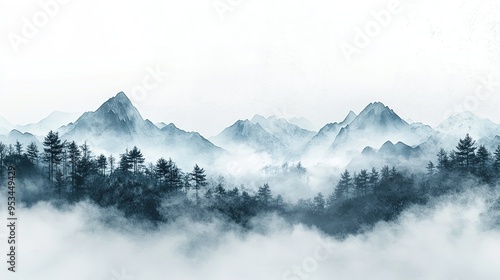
[443, 160]
[200, 180]
[19, 148]
[64, 159]
[496, 164]
[85, 167]
[342, 190]
[102, 163]
[466, 153]
[319, 203]
[111, 161]
[385, 173]
[169, 174]
[10, 150]
[374, 177]
[52, 151]
[161, 170]
[361, 182]
[32, 152]
[430, 168]
[3, 154]
[136, 159]
[74, 156]
[483, 158]
[125, 164]
[60, 183]
[264, 196]
[393, 174]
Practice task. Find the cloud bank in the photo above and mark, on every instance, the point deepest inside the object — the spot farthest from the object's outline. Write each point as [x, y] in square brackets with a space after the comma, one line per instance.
[450, 239]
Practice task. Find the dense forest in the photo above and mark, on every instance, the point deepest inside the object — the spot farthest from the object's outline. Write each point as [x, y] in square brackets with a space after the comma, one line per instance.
[66, 172]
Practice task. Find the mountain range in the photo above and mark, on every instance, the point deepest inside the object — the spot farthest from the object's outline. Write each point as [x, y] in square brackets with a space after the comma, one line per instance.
[117, 126]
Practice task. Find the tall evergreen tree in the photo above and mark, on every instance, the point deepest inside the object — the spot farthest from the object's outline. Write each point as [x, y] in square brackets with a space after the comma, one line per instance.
[483, 157]
[342, 190]
[74, 155]
[60, 183]
[430, 168]
[125, 164]
[386, 173]
[3, 154]
[466, 153]
[496, 163]
[264, 196]
[199, 179]
[32, 152]
[374, 177]
[361, 182]
[169, 175]
[443, 160]
[85, 167]
[52, 152]
[10, 150]
[136, 159]
[111, 161]
[64, 159]
[19, 148]
[319, 203]
[102, 164]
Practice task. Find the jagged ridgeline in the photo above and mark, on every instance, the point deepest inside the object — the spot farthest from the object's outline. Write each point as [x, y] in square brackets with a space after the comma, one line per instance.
[67, 172]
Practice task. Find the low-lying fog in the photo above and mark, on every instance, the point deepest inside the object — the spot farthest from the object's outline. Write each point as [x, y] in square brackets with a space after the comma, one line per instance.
[450, 239]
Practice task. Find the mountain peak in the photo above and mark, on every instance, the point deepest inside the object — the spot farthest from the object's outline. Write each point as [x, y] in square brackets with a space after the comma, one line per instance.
[377, 106]
[121, 106]
[349, 118]
[121, 96]
[378, 115]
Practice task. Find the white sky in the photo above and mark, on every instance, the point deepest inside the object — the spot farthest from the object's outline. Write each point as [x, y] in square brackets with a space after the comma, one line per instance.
[279, 57]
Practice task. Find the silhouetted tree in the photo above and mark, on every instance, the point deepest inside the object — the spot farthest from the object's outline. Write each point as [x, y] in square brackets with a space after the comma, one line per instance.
[52, 151]
[465, 154]
[483, 158]
[430, 168]
[264, 196]
[443, 160]
[319, 203]
[111, 161]
[19, 148]
[496, 163]
[102, 163]
[32, 152]
[361, 182]
[385, 173]
[10, 150]
[3, 154]
[84, 168]
[342, 190]
[136, 159]
[374, 178]
[74, 156]
[199, 179]
[125, 164]
[60, 183]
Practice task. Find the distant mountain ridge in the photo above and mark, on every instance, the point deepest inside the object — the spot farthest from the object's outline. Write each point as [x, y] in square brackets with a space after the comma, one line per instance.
[117, 125]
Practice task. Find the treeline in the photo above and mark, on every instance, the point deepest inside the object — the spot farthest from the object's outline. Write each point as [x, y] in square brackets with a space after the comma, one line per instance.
[161, 191]
[366, 197]
[68, 172]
